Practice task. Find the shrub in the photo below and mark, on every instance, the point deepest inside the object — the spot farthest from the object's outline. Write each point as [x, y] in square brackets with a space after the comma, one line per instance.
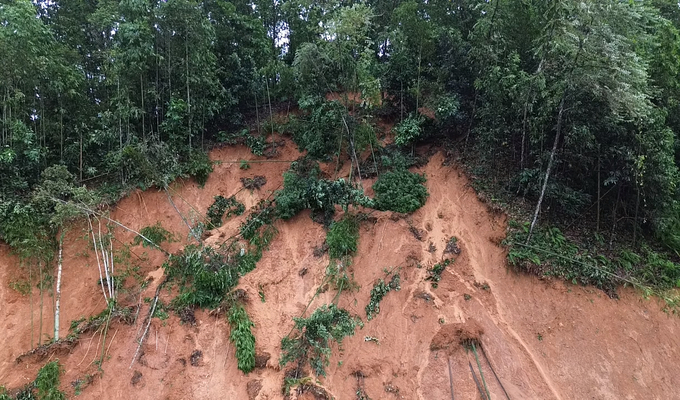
[199, 167]
[155, 233]
[242, 338]
[408, 130]
[313, 336]
[222, 205]
[379, 291]
[401, 191]
[303, 189]
[204, 275]
[343, 236]
[47, 382]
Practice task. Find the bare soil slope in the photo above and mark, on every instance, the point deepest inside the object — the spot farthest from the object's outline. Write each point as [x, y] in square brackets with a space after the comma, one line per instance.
[545, 340]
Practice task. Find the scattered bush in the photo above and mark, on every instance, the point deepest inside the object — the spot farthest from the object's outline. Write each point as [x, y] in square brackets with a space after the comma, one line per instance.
[313, 336]
[401, 191]
[222, 205]
[262, 214]
[550, 253]
[242, 337]
[379, 291]
[343, 236]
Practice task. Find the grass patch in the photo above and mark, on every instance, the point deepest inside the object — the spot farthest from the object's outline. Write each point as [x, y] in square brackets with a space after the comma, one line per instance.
[242, 337]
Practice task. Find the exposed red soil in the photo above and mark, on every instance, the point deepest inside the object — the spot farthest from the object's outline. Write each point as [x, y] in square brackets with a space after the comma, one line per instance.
[545, 339]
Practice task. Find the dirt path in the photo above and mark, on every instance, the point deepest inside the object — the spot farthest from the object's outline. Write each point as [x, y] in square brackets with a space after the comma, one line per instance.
[545, 340]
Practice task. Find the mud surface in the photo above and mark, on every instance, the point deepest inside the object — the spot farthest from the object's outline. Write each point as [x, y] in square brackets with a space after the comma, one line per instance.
[544, 339]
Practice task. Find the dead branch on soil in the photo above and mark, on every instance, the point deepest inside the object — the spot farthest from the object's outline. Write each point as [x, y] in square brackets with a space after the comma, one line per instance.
[148, 322]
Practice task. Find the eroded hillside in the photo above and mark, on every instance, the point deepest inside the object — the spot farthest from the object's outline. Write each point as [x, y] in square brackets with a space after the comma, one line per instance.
[544, 339]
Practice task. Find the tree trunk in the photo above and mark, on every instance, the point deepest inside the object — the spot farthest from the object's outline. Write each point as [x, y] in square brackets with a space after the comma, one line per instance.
[547, 170]
[599, 187]
[58, 289]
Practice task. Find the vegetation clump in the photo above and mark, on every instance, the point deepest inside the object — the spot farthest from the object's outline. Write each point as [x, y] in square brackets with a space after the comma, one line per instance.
[400, 191]
[44, 387]
[242, 337]
[343, 236]
[551, 253]
[379, 291]
[155, 233]
[312, 337]
[223, 205]
[434, 274]
[303, 188]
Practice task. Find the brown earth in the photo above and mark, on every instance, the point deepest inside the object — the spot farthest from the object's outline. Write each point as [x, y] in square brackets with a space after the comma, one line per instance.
[544, 339]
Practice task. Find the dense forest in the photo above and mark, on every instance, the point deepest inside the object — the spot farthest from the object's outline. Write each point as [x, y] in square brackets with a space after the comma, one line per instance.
[572, 106]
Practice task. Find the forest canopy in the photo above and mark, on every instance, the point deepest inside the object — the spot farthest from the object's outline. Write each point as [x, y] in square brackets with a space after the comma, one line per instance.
[574, 105]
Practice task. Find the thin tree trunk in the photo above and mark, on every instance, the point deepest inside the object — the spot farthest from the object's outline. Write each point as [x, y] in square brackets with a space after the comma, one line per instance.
[141, 90]
[42, 300]
[599, 188]
[58, 289]
[547, 171]
[271, 114]
[186, 54]
[614, 212]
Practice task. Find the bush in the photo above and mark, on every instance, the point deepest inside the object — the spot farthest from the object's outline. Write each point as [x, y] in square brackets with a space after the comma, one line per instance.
[242, 338]
[343, 236]
[303, 189]
[318, 133]
[155, 233]
[199, 167]
[204, 275]
[408, 130]
[379, 291]
[313, 337]
[221, 205]
[47, 382]
[401, 191]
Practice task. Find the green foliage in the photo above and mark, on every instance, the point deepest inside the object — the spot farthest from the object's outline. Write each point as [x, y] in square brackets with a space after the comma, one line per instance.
[242, 337]
[47, 382]
[304, 189]
[222, 205]
[199, 167]
[379, 291]
[155, 233]
[337, 274]
[262, 214]
[205, 276]
[409, 130]
[551, 253]
[312, 337]
[343, 236]
[401, 191]
[319, 132]
[434, 274]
